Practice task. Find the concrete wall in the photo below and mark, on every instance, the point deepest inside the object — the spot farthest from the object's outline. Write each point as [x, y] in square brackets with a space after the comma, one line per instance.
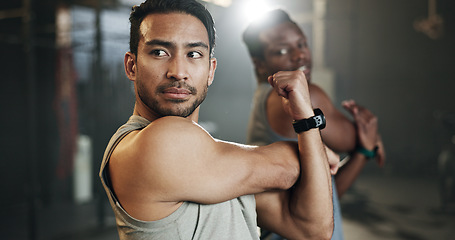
[378, 59]
[404, 76]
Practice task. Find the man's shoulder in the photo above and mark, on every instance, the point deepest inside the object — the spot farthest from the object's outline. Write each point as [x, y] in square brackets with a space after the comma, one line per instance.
[319, 98]
[170, 127]
[158, 147]
[165, 130]
[316, 90]
[158, 138]
[144, 166]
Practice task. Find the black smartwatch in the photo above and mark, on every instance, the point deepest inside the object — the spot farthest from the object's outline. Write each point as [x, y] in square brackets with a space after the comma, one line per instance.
[317, 121]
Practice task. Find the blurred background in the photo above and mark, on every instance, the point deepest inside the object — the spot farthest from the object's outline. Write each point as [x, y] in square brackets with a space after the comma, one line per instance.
[64, 93]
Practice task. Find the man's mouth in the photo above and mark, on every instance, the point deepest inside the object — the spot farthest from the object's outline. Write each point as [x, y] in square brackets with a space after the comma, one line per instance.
[306, 70]
[176, 93]
[177, 90]
[303, 68]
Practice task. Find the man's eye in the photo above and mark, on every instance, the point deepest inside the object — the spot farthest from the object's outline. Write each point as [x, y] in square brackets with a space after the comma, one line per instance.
[159, 53]
[283, 51]
[303, 45]
[194, 55]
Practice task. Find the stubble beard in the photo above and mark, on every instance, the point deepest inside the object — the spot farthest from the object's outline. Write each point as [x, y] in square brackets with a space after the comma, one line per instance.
[178, 105]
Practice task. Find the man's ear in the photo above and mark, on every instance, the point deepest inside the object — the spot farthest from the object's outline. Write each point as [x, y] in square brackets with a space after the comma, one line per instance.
[211, 71]
[130, 65]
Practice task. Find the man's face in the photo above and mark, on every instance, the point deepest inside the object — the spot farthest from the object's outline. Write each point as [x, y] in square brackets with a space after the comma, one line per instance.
[173, 68]
[285, 49]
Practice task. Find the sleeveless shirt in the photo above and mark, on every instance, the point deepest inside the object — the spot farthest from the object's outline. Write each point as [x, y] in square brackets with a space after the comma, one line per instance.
[233, 219]
[261, 133]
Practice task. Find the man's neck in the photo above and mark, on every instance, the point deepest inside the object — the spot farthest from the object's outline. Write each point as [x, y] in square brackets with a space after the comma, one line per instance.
[261, 78]
[152, 117]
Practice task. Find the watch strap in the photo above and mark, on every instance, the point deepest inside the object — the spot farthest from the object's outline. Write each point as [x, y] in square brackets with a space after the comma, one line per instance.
[316, 121]
[369, 154]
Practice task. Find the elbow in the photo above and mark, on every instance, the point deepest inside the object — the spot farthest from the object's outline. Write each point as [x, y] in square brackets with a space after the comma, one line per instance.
[327, 228]
[324, 228]
[327, 232]
[321, 231]
[288, 176]
[312, 230]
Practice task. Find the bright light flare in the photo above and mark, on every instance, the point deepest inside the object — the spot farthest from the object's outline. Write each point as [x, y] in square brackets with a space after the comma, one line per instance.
[254, 9]
[223, 3]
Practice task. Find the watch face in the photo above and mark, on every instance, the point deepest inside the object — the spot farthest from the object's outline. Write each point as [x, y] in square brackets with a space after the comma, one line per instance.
[319, 120]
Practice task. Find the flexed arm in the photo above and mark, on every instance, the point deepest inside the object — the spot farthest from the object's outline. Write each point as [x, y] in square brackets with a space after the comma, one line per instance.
[368, 138]
[304, 211]
[174, 160]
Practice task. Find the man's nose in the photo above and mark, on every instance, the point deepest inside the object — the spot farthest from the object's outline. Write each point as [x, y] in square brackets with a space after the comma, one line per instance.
[298, 54]
[177, 69]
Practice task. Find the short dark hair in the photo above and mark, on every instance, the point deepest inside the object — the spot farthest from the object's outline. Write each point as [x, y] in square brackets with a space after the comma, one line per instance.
[254, 29]
[191, 7]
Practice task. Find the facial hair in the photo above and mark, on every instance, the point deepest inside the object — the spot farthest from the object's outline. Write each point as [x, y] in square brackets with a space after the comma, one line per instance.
[178, 105]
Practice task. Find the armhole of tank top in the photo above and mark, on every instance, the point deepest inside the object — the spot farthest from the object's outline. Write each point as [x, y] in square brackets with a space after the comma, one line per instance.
[106, 174]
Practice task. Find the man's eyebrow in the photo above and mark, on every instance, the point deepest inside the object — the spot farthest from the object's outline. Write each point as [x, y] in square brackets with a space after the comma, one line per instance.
[159, 42]
[169, 44]
[197, 44]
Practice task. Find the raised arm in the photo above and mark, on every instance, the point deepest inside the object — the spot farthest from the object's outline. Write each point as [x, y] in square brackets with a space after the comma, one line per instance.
[304, 211]
[368, 138]
[339, 134]
[174, 160]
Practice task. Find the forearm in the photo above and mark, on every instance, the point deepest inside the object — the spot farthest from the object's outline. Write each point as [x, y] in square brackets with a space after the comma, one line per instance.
[368, 138]
[310, 202]
[349, 172]
[307, 211]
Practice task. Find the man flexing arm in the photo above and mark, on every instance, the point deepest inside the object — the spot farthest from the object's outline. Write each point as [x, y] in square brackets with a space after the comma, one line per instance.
[169, 161]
